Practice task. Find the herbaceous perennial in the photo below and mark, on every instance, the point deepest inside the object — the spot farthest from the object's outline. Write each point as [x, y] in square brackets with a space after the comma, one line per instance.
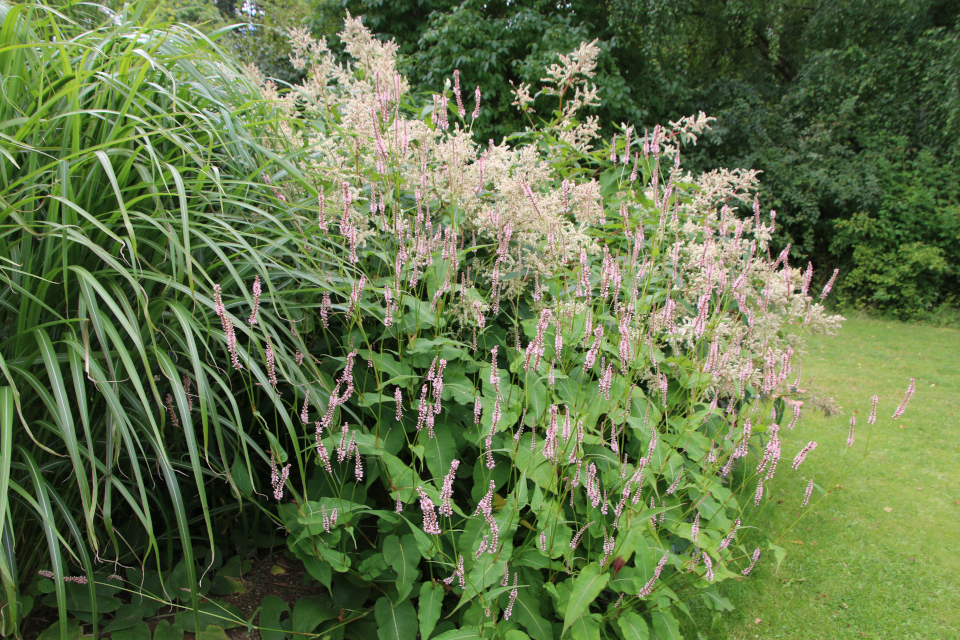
[579, 358]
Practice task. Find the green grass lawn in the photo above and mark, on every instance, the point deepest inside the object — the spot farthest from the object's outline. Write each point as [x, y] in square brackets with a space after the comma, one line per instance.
[880, 557]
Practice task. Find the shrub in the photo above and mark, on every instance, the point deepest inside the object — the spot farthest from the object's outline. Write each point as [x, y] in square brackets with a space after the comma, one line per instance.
[902, 259]
[540, 363]
[518, 384]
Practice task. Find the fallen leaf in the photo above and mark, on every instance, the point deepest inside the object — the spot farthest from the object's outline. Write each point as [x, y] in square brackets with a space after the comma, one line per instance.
[277, 570]
[888, 509]
[797, 541]
[757, 621]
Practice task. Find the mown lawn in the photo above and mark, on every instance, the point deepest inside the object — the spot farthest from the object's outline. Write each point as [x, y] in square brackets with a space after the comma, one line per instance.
[879, 557]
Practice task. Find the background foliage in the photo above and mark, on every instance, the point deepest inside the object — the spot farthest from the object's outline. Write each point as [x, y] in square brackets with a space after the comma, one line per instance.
[837, 102]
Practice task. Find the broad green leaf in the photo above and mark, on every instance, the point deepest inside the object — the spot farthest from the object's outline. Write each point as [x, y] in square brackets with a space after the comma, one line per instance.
[586, 627]
[74, 631]
[527, 610]
[401, 477]
[139, 631]
[779, 553]
[586, 587]
[403, 556]
[715, 601]
[425, 543]
[165, 631]
[430, 604]
[318, 569]
[440, 451]
[633, 626]
[395, 622]
[388, 367]
[213, 632]
[535, 465]
[666, 626]
[460, 634]
[485, 573]
[516, 634]
[371, 567]
[271, 609]
[459, 388]
[314, 511]
[127, 616]
[310, 611]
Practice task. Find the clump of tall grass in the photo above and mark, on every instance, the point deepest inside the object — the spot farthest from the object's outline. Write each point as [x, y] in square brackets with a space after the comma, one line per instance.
[134, 177]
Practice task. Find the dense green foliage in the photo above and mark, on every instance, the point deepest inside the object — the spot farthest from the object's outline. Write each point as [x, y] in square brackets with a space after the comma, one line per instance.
[843, 105]
[227, 311]
[131, 183]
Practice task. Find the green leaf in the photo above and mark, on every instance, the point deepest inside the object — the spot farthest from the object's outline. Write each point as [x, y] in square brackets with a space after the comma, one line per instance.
[212, 632]
[586, 627]
[314, 512]
[395, 622]
[317, 569]
[516, 634]
[440, 450]
[430, 604]
[74, 631]
[166, 631]
[371, 567]
[779, 553]
[486, 572]
[310, 611]
[139, 631]
[271, 609]
[666, 626]
[586, 587]
[527, 610]
[401, 476]
[403, 556]
[460, 634]
[127, 616]
[633, 626]
[425, 543]
[715, 601]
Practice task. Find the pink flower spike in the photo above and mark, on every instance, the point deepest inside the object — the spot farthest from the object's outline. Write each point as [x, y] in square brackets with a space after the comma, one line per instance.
[853, 421]
[826, 289]
[257, 291]
[756, 556]
[873, 411]
[803, 454]
[807, 494]
[476, 109]
[429, 515]
[648, 588]
[906, 399]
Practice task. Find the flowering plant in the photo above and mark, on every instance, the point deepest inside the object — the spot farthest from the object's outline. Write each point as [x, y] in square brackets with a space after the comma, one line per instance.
[529, 375]
[501, 390]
